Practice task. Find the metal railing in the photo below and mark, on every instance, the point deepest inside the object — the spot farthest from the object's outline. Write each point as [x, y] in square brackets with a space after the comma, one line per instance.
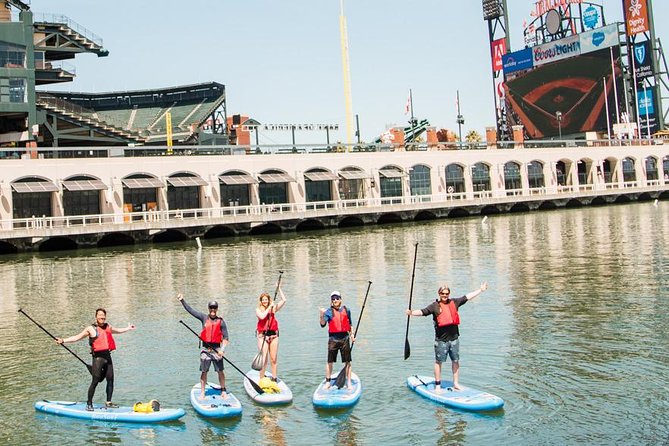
[265, 213]
[64, 20]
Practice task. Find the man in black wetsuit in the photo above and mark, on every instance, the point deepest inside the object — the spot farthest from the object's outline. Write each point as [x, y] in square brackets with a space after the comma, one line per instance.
[102, 344]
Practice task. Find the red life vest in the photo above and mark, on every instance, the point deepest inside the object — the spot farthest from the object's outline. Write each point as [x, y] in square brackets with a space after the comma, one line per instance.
[103, 340]
[269, 322]
[339, 322]
[448, 314]
[211, 332]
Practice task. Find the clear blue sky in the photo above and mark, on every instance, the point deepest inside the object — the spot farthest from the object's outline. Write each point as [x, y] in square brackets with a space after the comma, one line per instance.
[281, 60]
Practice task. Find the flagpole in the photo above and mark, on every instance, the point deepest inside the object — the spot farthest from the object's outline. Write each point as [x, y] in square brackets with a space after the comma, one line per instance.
[412, 118]
[639, 124]
[608, 117]
[615, 87]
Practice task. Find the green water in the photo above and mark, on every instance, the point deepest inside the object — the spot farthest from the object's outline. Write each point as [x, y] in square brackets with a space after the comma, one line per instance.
[571, 333]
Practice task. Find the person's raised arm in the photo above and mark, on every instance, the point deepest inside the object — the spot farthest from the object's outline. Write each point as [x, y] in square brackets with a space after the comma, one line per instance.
[281, 302]
[476, 292]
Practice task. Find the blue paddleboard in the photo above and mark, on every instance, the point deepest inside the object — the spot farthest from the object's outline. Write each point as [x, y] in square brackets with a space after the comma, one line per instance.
[101, 413]
[213, 405]
[466, 398]
[336, 398]
[270, 397]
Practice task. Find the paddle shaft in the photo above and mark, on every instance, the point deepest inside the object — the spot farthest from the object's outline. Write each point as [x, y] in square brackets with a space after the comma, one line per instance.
[88, 366]
[339, 382]
[362, 310]
[407, 348]
[209, 345]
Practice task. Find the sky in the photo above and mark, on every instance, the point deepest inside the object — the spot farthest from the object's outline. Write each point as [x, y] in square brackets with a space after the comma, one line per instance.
[281, 60]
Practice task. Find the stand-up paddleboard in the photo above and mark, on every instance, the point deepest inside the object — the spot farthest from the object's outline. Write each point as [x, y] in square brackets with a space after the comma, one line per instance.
[276, 392]
[334, 397]
[466, 398]
[213, 405]
[123, 414]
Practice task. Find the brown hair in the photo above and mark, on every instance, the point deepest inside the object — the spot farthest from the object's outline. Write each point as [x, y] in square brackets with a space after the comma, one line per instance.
[260, 299]
[100, 309]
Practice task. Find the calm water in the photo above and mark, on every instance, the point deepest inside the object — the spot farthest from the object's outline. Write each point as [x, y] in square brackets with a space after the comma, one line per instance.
[572, 332]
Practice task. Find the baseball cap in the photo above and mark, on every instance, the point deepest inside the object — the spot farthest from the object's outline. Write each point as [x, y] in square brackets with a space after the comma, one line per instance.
[335, 295]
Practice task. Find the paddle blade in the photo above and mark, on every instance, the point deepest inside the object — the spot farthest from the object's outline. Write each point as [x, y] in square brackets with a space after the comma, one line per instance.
[407, 349]
[255, 386]
[258, 361]
[341, 378]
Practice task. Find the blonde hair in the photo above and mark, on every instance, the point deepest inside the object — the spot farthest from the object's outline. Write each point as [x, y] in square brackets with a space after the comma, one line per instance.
[444, 286]
[260, 299]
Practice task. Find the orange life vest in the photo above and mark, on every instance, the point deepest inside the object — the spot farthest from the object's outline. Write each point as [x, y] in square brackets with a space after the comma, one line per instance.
[103, 340]
[339, 322]
[269, 323]
[211, 332]
[448, 314]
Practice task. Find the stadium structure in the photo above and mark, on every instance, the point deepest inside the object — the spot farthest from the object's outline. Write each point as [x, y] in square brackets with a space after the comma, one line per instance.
[34, 50]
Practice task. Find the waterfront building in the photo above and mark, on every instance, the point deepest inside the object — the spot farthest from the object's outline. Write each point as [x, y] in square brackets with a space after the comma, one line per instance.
[70, 202]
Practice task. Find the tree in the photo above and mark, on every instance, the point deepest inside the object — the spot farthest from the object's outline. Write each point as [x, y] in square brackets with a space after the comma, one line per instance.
[473, 136]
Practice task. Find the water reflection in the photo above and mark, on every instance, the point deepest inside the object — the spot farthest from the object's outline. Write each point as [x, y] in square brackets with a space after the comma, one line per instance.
[267, 420]
[452, 427]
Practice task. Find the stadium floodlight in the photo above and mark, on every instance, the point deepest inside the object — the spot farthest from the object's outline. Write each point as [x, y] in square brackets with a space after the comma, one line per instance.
[491, 9]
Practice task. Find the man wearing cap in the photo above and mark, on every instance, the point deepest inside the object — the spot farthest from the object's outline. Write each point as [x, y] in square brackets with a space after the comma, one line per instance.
[338, 320]
[215, 337]
[446, 319]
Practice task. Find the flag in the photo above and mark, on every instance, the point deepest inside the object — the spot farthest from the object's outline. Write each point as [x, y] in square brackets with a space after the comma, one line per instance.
[407, 108]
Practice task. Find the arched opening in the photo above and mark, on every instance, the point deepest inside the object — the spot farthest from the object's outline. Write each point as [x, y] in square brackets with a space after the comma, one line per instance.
[349, 222]
[58, 244]
[389, 218]
[171, 235]
[455, 180]
[219, 232]
[309, 225]
[512, 183]
[425, 215]
[115, 239]
[419, 180]
[235, 188]
[266, 229]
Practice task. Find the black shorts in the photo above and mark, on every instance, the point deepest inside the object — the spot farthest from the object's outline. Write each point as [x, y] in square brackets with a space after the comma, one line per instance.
[336, 345]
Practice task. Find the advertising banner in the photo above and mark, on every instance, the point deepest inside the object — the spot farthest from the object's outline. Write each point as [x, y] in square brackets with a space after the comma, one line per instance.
[647, 115]
[599, 38]
[498, 48]
[556, 50]
[642, 60]
[517, 61]
[636, 12]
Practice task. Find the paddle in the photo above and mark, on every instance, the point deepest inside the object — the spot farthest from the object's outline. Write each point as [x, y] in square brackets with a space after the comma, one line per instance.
[259, 360]
[255, 386]
[407, 347]
[88, 366]
[341, 378]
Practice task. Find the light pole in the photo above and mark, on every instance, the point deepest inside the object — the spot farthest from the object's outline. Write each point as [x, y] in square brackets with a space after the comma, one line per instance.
[558, 116]
[460, 118]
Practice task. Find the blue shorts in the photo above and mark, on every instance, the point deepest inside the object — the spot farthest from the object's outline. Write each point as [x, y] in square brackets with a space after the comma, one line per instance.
[446, 349]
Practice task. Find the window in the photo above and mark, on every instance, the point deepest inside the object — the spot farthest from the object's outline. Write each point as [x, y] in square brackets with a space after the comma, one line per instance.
[628, 170]
[419, 180]
[535, 174]
[12, 90]
[651, 169]
[512, 177]
[455, 179]
[480, 177]
[83, 202]
[12, 56]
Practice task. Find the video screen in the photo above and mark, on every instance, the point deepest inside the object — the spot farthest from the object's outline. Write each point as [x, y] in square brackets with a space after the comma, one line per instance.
[574, 87]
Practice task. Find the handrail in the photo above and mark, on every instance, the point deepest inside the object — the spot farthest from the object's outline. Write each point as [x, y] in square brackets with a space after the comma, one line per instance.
[64, 20]
[264, 213]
